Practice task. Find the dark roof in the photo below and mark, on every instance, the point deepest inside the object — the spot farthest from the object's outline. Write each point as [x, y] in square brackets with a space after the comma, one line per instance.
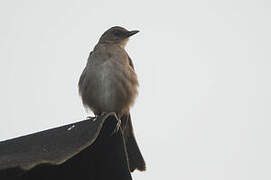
[83, 150]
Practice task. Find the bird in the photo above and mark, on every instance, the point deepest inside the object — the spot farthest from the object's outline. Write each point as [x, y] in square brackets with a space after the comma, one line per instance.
[109, 84]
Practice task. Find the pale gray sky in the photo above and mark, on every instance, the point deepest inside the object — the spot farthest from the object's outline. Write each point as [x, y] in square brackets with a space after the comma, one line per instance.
[203, 110]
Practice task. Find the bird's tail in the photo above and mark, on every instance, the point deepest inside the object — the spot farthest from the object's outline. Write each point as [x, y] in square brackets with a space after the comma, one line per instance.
[135, 158]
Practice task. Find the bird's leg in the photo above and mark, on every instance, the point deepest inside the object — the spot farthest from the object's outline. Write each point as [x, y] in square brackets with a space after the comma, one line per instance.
[106, 114]
[117, 125]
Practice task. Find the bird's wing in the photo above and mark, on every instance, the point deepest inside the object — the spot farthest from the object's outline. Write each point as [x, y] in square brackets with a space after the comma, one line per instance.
[81, 80]
[83, 76]
[131, 62]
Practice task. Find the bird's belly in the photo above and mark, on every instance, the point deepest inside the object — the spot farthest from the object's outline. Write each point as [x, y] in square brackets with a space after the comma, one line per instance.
[112, 88]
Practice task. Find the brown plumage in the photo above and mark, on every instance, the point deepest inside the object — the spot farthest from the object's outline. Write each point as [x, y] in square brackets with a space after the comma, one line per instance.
[109, 84]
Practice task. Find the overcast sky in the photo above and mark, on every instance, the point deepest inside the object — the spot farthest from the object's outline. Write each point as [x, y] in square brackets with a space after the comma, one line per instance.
[204, 105]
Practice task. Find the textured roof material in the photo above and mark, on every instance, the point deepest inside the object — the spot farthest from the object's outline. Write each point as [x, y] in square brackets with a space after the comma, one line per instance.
[85, 150]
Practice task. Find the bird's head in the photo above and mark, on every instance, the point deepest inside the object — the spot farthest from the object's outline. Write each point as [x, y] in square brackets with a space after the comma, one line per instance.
[118, 35]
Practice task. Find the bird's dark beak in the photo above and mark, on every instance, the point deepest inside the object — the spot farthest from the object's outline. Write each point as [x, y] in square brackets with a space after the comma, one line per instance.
[130, 33]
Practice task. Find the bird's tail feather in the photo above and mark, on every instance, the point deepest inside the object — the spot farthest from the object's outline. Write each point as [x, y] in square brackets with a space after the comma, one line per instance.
[135, 158]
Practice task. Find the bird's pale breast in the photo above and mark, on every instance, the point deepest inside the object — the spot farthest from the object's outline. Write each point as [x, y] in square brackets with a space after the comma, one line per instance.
[111, 82]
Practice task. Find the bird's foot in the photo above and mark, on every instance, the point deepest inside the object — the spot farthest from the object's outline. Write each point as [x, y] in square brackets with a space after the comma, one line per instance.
[91, 118]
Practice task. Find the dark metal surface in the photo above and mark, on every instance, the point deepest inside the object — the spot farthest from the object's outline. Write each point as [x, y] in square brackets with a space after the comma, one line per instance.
[84, 150]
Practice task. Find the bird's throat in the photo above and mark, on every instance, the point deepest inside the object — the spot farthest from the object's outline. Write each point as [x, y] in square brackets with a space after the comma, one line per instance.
[124, 42]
